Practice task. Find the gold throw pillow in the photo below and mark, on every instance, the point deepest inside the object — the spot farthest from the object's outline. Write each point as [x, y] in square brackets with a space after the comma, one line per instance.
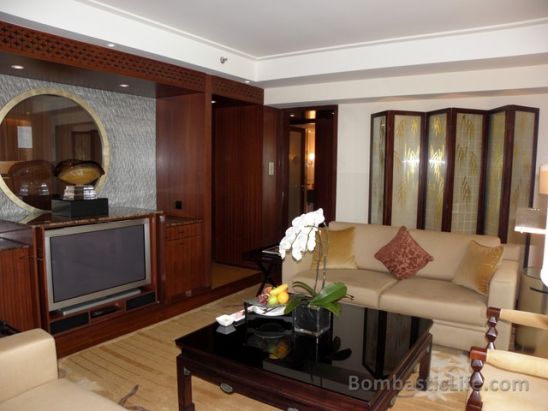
[340, 245]
[477, 267]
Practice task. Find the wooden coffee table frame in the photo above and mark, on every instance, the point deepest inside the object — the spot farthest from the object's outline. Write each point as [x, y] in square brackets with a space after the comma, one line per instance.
[287, 393]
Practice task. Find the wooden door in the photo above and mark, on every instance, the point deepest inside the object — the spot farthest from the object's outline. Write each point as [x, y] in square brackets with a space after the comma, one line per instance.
[238, 162]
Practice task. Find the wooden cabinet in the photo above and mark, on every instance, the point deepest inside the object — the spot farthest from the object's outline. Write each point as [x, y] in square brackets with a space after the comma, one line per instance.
[184, 260]
[18, 300]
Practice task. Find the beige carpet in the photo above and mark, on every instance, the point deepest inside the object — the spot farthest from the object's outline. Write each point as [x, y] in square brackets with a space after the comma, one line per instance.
[139, 369]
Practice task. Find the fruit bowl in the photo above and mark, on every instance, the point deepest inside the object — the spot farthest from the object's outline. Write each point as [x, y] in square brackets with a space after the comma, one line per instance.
[255, 306]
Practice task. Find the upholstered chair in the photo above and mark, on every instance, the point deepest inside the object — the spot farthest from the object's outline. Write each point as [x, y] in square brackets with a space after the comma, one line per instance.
[504, 380]
[29, 379]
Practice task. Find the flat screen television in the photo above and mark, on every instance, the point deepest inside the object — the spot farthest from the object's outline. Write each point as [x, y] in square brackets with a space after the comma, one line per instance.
[88, 263]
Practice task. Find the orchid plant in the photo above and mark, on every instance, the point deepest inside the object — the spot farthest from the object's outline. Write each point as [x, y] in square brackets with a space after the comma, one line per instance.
[303, 236]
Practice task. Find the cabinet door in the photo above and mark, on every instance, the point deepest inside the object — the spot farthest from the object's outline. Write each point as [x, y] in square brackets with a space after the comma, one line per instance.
[184, 266]
[17, 297]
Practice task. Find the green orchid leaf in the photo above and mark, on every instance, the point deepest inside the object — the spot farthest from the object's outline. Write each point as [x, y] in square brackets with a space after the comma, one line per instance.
[304, 286]
[294, 302]
[329, 294]
[334, 307]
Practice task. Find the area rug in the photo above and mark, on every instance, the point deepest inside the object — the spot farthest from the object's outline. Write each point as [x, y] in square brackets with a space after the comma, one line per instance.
[138, 370]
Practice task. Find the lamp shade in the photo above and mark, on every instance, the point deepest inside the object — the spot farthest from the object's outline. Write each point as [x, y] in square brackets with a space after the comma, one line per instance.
[543, 179]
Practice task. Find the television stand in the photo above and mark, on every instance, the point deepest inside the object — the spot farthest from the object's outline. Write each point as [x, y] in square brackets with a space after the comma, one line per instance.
[101, 311]
[100, 301]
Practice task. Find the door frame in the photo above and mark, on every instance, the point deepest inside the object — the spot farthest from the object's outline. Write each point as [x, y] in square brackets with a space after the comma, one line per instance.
[297, 115]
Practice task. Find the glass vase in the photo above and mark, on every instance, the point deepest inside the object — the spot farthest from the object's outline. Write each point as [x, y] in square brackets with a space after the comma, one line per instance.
[311, 320]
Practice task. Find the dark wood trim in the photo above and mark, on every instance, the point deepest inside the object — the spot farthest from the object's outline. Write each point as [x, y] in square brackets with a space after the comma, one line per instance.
[302, 133]
[330, 185]
[493, 315]
[477, 357]
[389, 164]
[506, 183]
[389, 169]
[237, 91]
[423, 171]
[480, 229]
[55, 49]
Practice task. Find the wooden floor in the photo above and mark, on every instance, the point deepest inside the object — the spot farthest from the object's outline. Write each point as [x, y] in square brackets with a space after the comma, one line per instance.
[222, 274]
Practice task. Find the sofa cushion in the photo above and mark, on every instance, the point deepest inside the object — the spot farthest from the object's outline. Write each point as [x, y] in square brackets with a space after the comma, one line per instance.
[402, 256]
[448, 250]
[340, 248]
[477, 267]
[59, 395]
[435, 299]
[368, 238]
[366, 286]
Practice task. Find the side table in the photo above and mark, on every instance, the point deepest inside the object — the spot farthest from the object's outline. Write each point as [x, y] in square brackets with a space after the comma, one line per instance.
[267, 259]
[533, 297]
[6, 329]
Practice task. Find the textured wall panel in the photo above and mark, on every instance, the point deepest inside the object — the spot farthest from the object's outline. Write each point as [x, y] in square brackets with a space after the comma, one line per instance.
[130, 123]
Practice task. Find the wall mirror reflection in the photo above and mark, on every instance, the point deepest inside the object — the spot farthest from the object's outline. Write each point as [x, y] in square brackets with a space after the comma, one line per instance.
[38, 131]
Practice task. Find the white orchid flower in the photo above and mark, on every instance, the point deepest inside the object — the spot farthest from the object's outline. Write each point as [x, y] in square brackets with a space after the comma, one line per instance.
[301, 236]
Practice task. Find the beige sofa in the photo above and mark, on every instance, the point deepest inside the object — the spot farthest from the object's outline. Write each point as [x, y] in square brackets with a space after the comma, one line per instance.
[29, 381]
[458, 312]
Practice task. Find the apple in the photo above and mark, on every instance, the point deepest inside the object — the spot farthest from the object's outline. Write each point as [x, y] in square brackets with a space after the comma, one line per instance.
[272, 300]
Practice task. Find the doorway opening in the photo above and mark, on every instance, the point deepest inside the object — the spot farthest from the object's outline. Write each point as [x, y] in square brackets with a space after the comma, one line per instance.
[311, 169]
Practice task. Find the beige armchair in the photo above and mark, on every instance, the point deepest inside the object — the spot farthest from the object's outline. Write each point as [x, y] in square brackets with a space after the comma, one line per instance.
[503, 380]
[29, 380]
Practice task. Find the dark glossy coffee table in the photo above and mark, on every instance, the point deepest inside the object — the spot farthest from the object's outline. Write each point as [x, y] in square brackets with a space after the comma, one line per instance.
[362, 362]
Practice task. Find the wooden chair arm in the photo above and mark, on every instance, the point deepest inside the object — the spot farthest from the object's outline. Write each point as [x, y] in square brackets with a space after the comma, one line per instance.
[524, 318]
[518, 363]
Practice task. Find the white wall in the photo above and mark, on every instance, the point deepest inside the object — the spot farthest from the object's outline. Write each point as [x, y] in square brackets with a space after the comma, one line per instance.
[354, 142]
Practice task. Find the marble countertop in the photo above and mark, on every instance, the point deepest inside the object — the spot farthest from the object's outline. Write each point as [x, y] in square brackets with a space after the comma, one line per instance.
[174, 221]
[49, 220]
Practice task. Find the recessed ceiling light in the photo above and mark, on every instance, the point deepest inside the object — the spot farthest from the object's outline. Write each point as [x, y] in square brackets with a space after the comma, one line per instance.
[17, 67]
[213, 101]
[111, 45]
[124, 85]
[292, 115]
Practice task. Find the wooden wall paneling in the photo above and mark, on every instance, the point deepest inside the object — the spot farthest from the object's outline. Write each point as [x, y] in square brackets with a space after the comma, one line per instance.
[91, 62]
[183, 161]
[236, 90]
[238, 171]
[17, 298]
[271, 203]
[181, 155]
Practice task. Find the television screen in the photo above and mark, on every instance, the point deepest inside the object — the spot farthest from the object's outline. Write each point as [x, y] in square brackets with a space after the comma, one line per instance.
[92, 261]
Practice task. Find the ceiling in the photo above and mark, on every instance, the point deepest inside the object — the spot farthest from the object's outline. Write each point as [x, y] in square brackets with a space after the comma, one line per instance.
[279, 43]
[263, 29]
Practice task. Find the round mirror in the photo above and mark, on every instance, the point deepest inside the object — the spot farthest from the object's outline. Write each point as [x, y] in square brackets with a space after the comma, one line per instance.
[39, 130]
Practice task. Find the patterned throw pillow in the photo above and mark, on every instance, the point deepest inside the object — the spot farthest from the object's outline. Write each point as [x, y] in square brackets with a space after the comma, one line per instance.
[403, 256]
[478, 267]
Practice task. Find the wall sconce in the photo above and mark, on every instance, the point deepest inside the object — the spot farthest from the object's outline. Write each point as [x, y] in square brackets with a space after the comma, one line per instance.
[311, 157]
